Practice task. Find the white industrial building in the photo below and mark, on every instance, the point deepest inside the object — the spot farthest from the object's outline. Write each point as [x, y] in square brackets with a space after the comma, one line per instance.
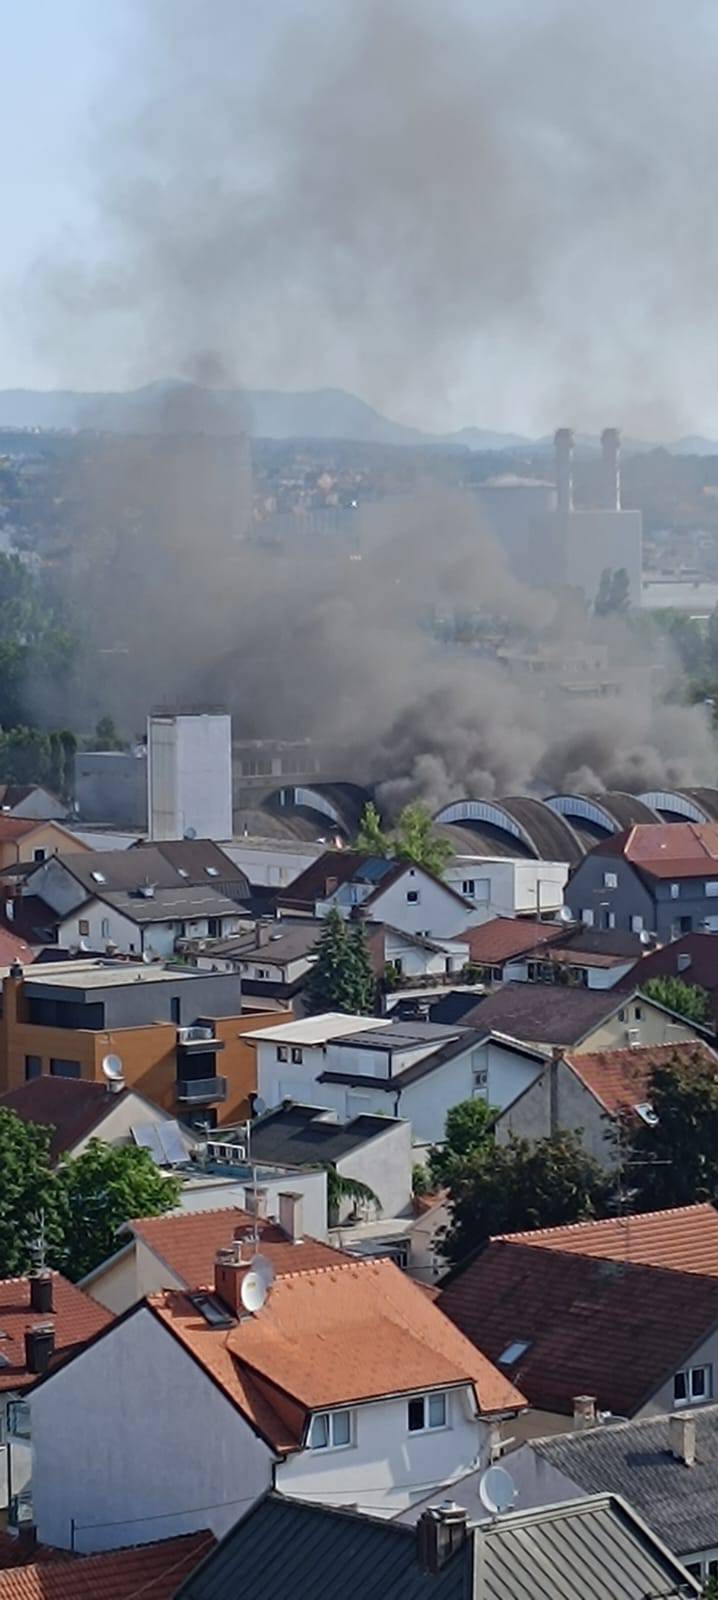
[189, 776]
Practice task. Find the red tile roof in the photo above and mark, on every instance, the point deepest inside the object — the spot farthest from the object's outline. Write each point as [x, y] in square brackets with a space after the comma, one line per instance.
[334, 1336]
[505, 937]
[684, 1239]
[75, 1318]
[13, 948]
[188, 1243]
[605, 1327]
[667, 849]
[620, 1079]
[71, 1106]
[152, 1571]
[12, 828]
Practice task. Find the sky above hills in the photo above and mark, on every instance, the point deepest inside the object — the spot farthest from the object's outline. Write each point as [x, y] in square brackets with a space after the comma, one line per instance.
[494, 213]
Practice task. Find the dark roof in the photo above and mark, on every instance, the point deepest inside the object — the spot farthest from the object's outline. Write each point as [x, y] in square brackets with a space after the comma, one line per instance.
[504, 938]
[295, 1135]
[72, 1107]
[292, 1548]
[634, 1459]
[194, 856]
[282, 942]
[32, 919]
[469, 838]
[552, 836]
[457, 1041]
[543, 1013]
[398, 1036]
[607, 1328]
[188, 901]
[311, 883]
[602, 942]
[123, 870]
[693, 958]
[453, 1007]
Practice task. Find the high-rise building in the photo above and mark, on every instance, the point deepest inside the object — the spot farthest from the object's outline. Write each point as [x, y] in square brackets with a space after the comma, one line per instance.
[189, 775]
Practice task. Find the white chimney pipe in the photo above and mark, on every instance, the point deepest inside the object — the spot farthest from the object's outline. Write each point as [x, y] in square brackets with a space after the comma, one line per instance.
[682, 1439]
[290, 1216]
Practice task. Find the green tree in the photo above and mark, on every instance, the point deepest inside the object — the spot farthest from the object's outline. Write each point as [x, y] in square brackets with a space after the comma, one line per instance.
[337, 980]
[468, 1127]
[362, 979]
[106, 736]
[688, 999]
[340, 1188]
[28, 1192]
[25, 755]
[673, 1161]
[99, 1190]
[413, 839]
[371, 838]
[522, 1185]
[614, 591]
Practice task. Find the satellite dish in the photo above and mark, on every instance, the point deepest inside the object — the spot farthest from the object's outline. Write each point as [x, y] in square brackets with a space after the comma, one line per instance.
[497, 1490]
[83, 945]
[112, 1069]
[190, 833]
[148, 956]
[644, 937]
[262, 1268]
[259, 1105]
[565, 914]
[253, 1292]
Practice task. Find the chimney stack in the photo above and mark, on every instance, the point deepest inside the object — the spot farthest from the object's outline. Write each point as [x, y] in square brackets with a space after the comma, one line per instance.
[611, 469]
[39, 1348]
[41, 1293]
[563, 446]
[290, 1216]
[584, 1411]
[439, 1532]
[682, 1438]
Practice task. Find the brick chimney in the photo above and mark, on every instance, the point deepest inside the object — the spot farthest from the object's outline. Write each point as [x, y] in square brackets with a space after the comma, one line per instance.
[290, 1215]
[584, 1411]
[230, 1265]
[39, 1347]
[41, 1293]
[682, 1438]
[440, 1531]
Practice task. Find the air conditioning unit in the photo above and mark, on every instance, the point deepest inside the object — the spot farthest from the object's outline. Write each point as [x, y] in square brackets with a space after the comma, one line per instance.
[633, 1036]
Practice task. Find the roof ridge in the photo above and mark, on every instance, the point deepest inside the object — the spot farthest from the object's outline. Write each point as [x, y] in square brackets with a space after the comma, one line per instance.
[594, 1222]
[192, 1216]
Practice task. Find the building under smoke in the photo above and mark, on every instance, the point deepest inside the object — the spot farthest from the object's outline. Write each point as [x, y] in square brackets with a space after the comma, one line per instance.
[550, 543]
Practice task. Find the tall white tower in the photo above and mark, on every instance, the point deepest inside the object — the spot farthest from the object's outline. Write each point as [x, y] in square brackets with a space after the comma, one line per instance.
[189, 776]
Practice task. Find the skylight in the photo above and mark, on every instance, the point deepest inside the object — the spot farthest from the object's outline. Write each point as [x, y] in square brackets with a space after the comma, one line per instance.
[214, 1313]
[513, 1352]
[98, 877]
[212, 872]
[183, 872]
[646, 1113]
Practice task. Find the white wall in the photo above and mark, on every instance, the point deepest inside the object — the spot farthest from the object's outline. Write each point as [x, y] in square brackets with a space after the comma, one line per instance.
[385, 1163]
[385, 1468]
[597, 977]
[437, 914]
[133, 1435]
[507, 887]
[267, 867]
[427, 1101]
[132, 937]
[190, 776]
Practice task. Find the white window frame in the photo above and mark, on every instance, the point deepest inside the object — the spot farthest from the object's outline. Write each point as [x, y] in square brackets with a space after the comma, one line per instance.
[282, 1052]
[675, 891]
[610, 880]
[711, 886]
[297, 1055]
[691, 1399]
[425, 1400]
[467, 886]
[331, 1418]
[636, 924]
[587, 916]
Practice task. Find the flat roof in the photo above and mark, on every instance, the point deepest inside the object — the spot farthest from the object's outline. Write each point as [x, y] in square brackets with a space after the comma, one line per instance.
[403, 1036]
[78, 975]
[314, 1030]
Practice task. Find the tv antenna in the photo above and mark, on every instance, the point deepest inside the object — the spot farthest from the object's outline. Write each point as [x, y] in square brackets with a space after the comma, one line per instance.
[38, 1245]
[497, 1490]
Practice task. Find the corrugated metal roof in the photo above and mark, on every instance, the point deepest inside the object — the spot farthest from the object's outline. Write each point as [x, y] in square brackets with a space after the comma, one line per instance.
[595, 1549]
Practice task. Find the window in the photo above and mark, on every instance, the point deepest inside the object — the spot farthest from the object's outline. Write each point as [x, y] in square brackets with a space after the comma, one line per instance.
[330, 1430]
[175, 1008]
[413, 897]
[587, 916]
[621, 1016]
[685, 924]
[636, 924]
[637, 1013]
[712, 886]
[83, 927]
[98, 877]
[33, 1067]
[39, 855]
[467, 886]
[214, 927]
[212, 872]
[297, 1056]
[693, 1385]
[64, 1069]
[513, 1352]
[675, 891]
[105, 927]
[282, 1052]
[610, 880]
[610, 919]
[426, 1411]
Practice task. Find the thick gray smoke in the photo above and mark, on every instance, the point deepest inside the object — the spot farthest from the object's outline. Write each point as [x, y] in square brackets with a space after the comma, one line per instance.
[427, 203]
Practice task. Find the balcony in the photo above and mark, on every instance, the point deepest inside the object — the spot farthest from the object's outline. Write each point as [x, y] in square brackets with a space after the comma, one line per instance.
[197, 1041]
[201, 1091]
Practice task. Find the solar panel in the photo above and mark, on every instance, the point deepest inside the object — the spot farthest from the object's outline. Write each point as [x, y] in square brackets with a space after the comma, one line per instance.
[172, 1143]
[146, 1137]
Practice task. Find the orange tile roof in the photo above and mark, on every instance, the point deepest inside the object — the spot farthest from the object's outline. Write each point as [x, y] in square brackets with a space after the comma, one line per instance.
[334, 1336]
[620, 1079]
[75, 1318]
[505, 937]
[154, 1571]
[667, 849]
[13, 948]
[16, 827]
[684, 1239]
[188, 1243]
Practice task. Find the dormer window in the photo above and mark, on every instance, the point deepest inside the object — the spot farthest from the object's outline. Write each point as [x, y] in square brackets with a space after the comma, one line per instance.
[426, 1411]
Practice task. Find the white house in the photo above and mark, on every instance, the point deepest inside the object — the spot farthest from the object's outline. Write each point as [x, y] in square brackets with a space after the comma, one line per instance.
[345, 1386]
[501, 886]
[150, 920]
[405, 896]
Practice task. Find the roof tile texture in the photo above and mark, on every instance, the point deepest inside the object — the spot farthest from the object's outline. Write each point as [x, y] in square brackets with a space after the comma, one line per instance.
[75, 1318]
[505, 937]
[72, 1107]
[620, 1079]
[684, 1239]
[188, 1244]
[154, 1571]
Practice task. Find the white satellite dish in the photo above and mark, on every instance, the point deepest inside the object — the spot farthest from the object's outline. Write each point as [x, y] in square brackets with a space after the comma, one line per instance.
[644, 936]
[190, 833]
[112, 1069]
[259, 1105]
[565, 914]
[263, 1269]
[497, 1490]
[147, 957]
[253, 1292]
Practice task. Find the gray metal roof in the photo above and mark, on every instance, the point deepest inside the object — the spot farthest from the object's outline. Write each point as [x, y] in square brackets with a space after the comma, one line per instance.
[297, 1135]
[188, 902]
[634, 1459]
[595, 1549]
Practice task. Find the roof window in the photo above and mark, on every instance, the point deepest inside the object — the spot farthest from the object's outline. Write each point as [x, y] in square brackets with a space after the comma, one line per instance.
[513, 1352]
[215, 1314]
[98, 877]
[212, 872]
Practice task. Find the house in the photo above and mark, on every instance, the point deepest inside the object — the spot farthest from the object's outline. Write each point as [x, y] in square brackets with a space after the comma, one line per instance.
[659, 878]
[42, 1317]
[492, 945]
[152, 1571]
[383, 889]
[597, 958]
[343, 1382]
[618, 1316]
[179, 1250]
[591, 1093]
[180, 1035]
[77, 1110]
[597, 1548]
[31, 801]
[505, 886]
[692, 958]
[272, 863]
[363, 1066]
[26, 840]
[148, 920]
[552, 1016]
[666, 1467]
[376, 1151]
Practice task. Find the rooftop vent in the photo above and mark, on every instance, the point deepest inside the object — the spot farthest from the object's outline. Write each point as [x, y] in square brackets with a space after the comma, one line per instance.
[440, 1531]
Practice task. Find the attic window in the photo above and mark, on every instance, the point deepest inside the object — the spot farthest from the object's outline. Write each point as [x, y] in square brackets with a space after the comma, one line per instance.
[98, 877]
[212, 872]
[214, 1313]
[514, 1352]
[646, 1113]
[183, 873]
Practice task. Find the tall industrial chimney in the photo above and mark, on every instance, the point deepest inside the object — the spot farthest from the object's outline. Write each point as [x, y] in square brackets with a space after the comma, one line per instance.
[563, 445]
[611, 469]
